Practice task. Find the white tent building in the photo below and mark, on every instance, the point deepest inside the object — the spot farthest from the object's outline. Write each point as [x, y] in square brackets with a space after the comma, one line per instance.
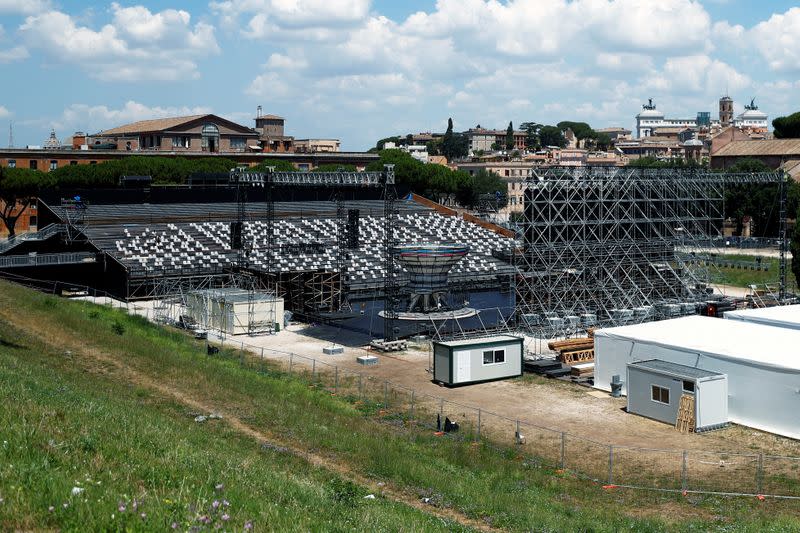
[762, 363]
[784, 316]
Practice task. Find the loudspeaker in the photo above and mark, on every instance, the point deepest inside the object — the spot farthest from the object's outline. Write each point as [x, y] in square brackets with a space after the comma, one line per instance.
[236, 235]
[352, 229]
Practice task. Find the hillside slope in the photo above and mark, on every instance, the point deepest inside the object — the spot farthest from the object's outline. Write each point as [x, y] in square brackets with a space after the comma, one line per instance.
[98, 432]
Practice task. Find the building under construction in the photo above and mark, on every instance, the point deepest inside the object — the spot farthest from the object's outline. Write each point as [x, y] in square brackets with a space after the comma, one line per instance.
[594, 246]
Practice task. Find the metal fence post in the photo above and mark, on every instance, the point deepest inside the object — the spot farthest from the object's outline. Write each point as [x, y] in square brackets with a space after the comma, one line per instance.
[685, 471]
[760, 474]
[563, 450]
[610, 464]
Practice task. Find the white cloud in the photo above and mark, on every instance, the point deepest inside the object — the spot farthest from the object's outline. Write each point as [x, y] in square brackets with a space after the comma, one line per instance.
[17, 53]
[23, 7]
[136, 45]
[273, 17]
[623, 62]
[778, 40]
[93, 118]
[4, 113]
[698, 74]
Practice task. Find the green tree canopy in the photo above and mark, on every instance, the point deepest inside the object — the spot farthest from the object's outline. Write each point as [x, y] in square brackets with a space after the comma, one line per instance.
[454, 145]
[552, 136]
[430, 180]
[787, 127]
[581, 129]
[603, 141]
[531, 130]
[19, 187]
[163, 170]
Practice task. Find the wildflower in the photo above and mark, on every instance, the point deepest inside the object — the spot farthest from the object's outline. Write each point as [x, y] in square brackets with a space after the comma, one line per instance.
[76, 490]
[226, 517]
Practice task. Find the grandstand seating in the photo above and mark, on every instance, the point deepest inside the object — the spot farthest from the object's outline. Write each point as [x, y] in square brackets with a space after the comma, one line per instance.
[301, 243]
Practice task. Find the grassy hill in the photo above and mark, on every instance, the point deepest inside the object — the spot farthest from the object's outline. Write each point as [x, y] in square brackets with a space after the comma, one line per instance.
[98, 432]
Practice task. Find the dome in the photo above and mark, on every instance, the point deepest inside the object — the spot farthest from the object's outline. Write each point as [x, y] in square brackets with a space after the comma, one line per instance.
[650, 113]
[753, 114]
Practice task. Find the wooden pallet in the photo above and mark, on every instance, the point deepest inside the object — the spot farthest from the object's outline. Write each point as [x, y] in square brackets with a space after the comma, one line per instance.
[577, 356]
[685, 421]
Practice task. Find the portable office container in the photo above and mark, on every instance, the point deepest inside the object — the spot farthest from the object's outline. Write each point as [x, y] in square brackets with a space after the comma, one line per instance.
[467, 361]
[655, 389]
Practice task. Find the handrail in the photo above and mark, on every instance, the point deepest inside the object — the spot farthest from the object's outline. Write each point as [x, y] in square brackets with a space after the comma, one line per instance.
[44, 233]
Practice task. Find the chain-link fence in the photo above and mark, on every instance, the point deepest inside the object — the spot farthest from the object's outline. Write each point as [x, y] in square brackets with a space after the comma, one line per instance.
[699, 471]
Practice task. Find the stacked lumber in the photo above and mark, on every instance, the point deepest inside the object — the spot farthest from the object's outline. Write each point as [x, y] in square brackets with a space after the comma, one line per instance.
[571, 344]
[573, 351]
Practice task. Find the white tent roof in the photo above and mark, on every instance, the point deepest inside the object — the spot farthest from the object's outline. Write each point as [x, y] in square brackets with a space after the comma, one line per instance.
[755, 344]
[786, 316]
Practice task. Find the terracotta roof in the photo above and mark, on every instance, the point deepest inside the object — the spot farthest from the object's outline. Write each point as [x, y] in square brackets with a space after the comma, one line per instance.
[158, 124]
[778, 147]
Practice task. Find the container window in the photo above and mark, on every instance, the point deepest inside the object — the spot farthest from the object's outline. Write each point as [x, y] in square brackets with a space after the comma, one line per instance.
[688, 386]
[660, 394]
[493, 357]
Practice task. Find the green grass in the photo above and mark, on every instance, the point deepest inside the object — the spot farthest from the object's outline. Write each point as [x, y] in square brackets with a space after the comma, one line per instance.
[142, 463]
[69, 418]
[744, 277]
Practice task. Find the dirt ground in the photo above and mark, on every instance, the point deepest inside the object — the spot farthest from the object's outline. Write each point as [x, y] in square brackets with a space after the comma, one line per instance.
[548, 403]
[554, 404]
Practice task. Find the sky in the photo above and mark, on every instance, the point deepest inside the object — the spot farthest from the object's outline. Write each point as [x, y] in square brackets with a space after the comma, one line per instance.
[361, 70]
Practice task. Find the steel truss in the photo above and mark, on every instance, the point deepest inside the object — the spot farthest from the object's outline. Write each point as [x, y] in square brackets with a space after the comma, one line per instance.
[614, 245]
[337, 181]
[171, 298]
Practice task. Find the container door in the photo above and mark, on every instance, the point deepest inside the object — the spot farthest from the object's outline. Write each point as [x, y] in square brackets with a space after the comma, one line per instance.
[463, 373]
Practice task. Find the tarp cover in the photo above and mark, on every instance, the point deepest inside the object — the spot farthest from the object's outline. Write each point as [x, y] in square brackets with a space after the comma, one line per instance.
[782, 316]
[762, 363]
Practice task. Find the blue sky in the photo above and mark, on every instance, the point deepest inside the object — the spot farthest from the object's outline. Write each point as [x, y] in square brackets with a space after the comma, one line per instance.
[359, 70]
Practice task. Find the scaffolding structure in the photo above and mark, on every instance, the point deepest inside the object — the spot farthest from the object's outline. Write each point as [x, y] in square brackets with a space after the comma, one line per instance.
[177, 298]
[337, 182]
[618, 245]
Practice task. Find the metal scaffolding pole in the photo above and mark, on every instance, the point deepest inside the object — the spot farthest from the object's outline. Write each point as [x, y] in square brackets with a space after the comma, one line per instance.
[617, 245]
